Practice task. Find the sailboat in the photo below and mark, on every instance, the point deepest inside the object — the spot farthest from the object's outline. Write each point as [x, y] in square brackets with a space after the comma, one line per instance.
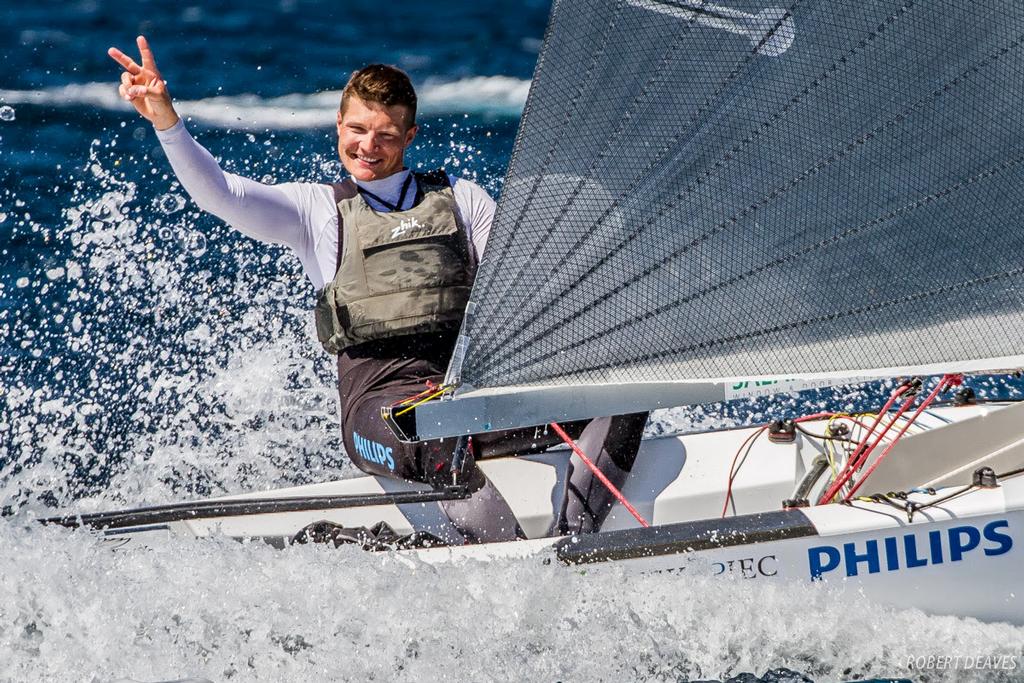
[707, 197]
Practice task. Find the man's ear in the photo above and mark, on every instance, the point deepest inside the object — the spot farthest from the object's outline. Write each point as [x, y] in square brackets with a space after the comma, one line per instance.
[339, 121]
[411, 134]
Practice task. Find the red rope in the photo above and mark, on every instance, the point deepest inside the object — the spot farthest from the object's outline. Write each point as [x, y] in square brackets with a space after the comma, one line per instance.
[815, 416]
[861, 453]
[946, 382]
[599, 474]
[748, 443]
[430, 387]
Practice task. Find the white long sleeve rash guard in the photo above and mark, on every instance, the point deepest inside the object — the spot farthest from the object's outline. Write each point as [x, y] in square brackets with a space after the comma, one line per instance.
[303, 216]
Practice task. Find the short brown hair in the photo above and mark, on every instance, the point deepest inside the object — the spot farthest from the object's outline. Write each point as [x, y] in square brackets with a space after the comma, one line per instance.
[384, 84]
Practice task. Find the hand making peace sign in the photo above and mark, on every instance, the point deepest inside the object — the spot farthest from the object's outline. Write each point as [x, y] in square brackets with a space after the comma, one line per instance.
[144, 87]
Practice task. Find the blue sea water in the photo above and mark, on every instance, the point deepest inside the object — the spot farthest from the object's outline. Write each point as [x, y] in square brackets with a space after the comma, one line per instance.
[115, 287]
[149, 353]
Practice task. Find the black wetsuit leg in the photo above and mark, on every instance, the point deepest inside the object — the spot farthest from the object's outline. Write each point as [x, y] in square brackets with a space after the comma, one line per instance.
[372, 376]
[612, 444]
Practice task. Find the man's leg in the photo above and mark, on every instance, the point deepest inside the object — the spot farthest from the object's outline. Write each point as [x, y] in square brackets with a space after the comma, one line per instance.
[368, 385]
[484, 517]
[611, 443]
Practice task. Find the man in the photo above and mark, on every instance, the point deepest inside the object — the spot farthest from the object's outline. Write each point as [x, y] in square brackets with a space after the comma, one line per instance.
[392, 254]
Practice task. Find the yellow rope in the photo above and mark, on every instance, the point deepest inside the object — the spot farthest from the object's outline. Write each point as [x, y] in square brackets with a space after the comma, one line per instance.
[420, 402]
[830, 447]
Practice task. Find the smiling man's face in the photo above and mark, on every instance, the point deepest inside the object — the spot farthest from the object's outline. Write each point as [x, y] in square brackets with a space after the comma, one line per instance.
[372, 138]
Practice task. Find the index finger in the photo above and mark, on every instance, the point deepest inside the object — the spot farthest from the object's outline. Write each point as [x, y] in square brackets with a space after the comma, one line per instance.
[147, 55]
[124, 60]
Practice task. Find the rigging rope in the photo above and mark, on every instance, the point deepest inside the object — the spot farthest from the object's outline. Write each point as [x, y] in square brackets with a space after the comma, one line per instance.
[909, 392]
[734, 470]
[983, 477]
[861, 453]
[599, 474]
[429, 394]
[748, 444]
[867, 440]
[947, 382]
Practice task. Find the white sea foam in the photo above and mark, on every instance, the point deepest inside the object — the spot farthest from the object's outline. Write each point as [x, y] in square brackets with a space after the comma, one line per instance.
[252, 412]
[500, 96]
[77, 609]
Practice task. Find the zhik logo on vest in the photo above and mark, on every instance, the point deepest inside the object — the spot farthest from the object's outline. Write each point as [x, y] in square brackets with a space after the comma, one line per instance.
[405, 226]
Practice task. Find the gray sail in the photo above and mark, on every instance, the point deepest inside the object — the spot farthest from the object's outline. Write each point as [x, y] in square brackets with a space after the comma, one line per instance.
[702, 191]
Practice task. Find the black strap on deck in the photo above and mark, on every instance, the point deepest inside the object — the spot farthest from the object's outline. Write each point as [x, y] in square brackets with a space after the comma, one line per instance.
[177, 512]
[684, 537]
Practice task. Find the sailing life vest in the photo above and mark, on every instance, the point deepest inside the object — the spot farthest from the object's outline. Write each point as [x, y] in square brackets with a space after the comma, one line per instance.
[399, 272]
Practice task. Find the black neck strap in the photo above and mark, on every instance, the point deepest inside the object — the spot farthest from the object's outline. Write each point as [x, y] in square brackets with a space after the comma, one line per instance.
[386, 204]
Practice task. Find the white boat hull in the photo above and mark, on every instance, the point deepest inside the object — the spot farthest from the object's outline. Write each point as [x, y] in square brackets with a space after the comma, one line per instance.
[962, 557]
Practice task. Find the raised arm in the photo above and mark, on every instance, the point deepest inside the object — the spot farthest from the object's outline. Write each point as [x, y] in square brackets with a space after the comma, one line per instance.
[144, 87]
[279, 214]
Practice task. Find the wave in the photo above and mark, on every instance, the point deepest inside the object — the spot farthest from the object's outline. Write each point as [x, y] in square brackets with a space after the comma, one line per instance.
[219, 609]
[496, 96]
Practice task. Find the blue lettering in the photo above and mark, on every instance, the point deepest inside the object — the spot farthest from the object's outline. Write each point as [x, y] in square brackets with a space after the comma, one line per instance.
[961, 541]
[935, 540]
[384, 456]
[892, 554]
[816, 556]
[362, 445]
[910, 543]
[958, 546]
[373, 451]
[853, 559]
[1005, 542]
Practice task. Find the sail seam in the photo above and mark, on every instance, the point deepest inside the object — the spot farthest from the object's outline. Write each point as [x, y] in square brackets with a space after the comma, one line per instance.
[796, 324]
[849, 148]
[835, 239]
[732, 154]
[601, 155]
[570, 111]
